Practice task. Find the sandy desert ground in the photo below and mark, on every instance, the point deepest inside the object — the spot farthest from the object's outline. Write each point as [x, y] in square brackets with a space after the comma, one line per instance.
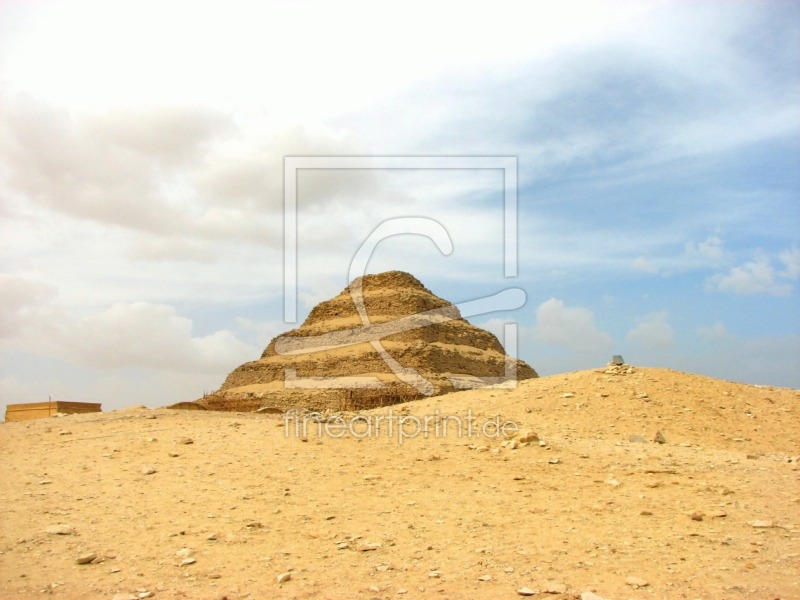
[713, 512]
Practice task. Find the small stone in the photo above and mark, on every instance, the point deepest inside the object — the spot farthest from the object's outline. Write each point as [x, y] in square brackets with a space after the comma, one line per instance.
[613, 482]
[485, 578]
[568, 395]
[659, 438]
[761, 524]
[526, 591]
[188, 561]
[212, 537]
[85, 559]
[635, 582]
[60, 530]
[186, 441]
[696, 516]
[368, 547]
[554, 461]
[637, 439]
[114, 570]
[717, 514]
[174, 455]
[145, 594]
[148, 470]
[284, 577]
[434, 575]
[185, 553]
[554, 587]
[527, 436]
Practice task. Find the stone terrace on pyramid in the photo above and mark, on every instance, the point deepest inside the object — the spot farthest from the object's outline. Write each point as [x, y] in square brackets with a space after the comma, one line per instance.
[415, 344]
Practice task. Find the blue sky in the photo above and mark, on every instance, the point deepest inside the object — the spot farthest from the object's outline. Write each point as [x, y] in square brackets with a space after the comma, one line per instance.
[141, 180]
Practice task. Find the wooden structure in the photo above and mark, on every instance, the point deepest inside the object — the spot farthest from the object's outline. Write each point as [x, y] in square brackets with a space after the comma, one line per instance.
[40, 410]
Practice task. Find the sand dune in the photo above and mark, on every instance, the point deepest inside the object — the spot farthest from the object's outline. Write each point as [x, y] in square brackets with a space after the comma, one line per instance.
[713, 512]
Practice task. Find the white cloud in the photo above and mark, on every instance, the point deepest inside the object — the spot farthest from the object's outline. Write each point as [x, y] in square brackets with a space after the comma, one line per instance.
[791, 260]
[710, 251]
[653, 331]
[150, 336]
[644, 265]
[262, 331]
[753, 277]
[20, 301]
[572, 328]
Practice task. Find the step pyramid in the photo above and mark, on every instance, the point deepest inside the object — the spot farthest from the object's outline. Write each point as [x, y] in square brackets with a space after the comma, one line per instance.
[383, 340]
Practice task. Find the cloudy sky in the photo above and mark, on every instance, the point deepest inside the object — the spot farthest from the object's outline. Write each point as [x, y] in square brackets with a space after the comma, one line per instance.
[142, 151]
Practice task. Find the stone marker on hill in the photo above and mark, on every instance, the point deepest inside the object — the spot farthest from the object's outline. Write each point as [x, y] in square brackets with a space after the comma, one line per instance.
[384, 339]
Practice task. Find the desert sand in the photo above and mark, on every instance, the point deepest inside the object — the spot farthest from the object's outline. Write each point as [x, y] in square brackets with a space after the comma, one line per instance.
[253, 509]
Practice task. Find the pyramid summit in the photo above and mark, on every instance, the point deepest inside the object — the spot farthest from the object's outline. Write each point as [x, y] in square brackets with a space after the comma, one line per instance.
[384, 339]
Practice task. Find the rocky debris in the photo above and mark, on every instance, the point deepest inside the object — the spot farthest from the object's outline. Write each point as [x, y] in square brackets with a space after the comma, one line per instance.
[554, 587]
[139, 595]
[637, 439]
[615, 369]
[186, 441]
[85, 559]
[368, 547]
[636, 582]
[61, 530]
[526, 436]
[188, 561]
[659, 438]
[148, 470]
[613, 482]
[284, 577]
[526, 591]
[184, 553]
[761, 524]
[696, 516]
